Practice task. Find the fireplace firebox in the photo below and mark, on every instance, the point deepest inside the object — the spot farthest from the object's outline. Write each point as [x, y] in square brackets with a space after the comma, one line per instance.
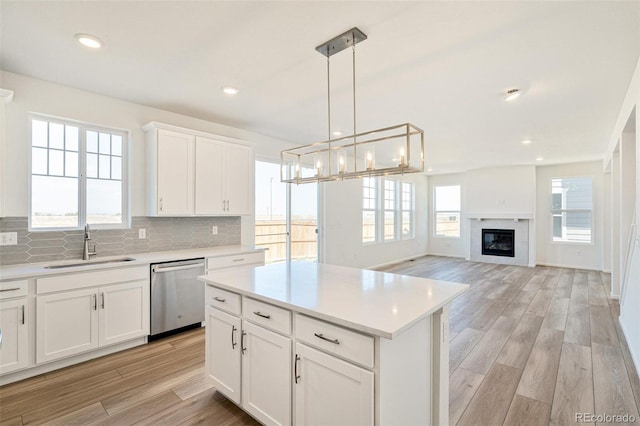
[498, 242]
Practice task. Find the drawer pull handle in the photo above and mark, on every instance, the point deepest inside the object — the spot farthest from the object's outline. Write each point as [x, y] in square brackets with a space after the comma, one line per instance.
[326, 339]
[10, 289]
[22, 307]
[260, 314]
[296, 376]
[238, 260]
[219, 299]
[233, 336]
[242, 348]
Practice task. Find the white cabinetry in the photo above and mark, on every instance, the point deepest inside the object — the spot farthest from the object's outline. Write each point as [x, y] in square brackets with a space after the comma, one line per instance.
[222, 352]
[112, 307]
[330, 391]
[196, 173]
[14, 318]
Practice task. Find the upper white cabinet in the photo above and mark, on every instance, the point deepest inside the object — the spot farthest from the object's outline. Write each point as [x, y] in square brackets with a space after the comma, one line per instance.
[195, 173]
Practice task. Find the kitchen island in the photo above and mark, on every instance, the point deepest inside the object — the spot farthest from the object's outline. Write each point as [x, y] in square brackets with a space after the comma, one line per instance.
[307, 343]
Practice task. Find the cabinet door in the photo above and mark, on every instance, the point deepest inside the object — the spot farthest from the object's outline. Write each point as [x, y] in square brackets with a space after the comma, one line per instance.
[123, 312]
[175, 173]
[330, 391]
[13, 318]
[209, 177]
[266, 375]
[222, 352]
[66, 324]
[238, 179]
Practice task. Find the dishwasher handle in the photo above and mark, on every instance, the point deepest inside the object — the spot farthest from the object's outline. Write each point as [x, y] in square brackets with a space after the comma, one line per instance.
[159, 269]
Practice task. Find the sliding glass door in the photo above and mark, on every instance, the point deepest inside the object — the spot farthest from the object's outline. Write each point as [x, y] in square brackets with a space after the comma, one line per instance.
[286, 220]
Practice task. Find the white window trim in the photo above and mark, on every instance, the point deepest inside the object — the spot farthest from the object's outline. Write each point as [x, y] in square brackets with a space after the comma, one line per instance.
[412, 211]
[591, 210]
[435, 214]
[83, 127]
[380, 210]
[394, 210]
[376, 213]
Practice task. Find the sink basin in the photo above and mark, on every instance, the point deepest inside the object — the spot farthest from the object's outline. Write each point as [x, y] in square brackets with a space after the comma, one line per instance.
[89, 263]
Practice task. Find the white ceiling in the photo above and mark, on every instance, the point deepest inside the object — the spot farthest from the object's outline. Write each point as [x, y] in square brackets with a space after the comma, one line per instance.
[439, 65]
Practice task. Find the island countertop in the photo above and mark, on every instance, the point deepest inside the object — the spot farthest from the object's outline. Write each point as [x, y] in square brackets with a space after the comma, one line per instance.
[377, 303]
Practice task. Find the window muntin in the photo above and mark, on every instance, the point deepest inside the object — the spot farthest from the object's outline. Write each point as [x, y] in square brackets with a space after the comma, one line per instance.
[78, 175]
[571, 209]
[408, 210]
[388, 210]
[369, 207]
[389, 231]
[447, 211]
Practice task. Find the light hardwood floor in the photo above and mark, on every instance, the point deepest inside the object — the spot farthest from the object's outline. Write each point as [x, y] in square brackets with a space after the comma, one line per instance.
[528, 346]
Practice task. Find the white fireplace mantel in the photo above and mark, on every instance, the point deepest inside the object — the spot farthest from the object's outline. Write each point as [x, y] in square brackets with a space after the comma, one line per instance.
[513, 216]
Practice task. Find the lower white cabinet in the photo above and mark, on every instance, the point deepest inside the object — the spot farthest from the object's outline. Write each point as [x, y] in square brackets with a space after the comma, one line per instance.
[73, 322]
[13, 322]
[250, 365]
[330, 391]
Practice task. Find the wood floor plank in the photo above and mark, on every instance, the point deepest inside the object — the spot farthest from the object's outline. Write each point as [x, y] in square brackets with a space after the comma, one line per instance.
[141, 410]
[219, 414]
[243, 420]
[631, 369]
[574, 386]
[516, 350]
[613, 393]
[540, 302]
[578, 329]
[184, 410]
[460, 347]
[463, 385]
[565, 284]
[556, 318]
[193, 386]
[526, 411]
[16, 421]
[597, 295]
[491, 402]
[90, 414]
[487, 349]
[539, 377]
[580, 289]
[602, 329]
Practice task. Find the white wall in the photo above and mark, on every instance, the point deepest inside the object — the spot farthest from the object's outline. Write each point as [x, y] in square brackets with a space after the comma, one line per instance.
[571, 255]
[508, 191]
[606, 244]
[447, 246]
[342, 232]
[38, 96]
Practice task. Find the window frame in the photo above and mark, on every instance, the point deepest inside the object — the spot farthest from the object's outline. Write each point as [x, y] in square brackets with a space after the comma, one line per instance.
[380, 209]
[411, 210]
[553, 212]
[436, 212]
[83, 128]
[394, 209]
[375, 210]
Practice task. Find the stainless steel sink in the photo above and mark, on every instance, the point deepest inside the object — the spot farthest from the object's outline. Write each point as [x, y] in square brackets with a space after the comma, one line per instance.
[89, 263]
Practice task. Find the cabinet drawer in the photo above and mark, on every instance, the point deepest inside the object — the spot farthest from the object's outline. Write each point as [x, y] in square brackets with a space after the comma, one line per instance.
[10, 289]
[244, 259]
[269, 316]
[222, 299]
[334, 339]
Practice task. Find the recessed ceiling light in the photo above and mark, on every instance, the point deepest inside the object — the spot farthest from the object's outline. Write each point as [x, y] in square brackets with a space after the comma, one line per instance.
[89, 41]
[337, 133]
[230, 90]
[539, 158]
[526, 142]
[511, 94]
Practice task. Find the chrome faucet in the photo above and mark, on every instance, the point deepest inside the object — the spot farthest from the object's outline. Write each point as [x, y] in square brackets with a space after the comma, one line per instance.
[86, 254]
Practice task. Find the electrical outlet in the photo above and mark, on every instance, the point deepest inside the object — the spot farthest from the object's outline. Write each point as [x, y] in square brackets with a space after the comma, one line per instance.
[578, 253]
[214, 230]
[142, 233]
[8, 238]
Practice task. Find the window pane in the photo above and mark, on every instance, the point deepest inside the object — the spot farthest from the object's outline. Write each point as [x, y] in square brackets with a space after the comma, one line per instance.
[105, 143]
[116, 145]
[39, 161]
[572, 193]
[92, 142]
[71, 164]
[116, 168]
[56, 136]
[39, 133]
[71, 138]
[447, 198]
[557, 227]
[368, 226]
[92, 165]
[54, 202]
[104, 167]
[389, 225]
[406, 224]
[572, 227]
[448, 224]
[56, 162]
[104, 201]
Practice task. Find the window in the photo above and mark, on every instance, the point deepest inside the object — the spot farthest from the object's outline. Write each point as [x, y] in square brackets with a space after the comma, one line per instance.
[396, 208]
[78, 175]
[447, 211]
[571, 204]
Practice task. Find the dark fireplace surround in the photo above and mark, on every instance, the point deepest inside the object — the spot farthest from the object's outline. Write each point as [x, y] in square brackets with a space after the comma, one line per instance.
[498, 242]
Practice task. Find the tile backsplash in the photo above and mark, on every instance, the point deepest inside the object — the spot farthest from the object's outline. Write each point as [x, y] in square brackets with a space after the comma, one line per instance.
[163, 233]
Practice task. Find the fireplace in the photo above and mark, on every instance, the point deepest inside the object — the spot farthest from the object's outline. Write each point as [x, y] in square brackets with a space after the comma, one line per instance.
[498, 242]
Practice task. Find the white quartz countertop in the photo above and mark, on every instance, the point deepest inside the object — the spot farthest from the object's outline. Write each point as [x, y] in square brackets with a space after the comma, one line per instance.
[31, 270]
[377, 303]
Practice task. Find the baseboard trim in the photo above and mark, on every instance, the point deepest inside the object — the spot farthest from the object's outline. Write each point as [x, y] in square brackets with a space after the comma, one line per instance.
[447, 255]
[560, 265]
[393, 262]
[635, 357]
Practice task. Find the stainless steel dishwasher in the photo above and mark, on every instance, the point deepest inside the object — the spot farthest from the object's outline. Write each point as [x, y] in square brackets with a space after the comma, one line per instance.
[177, 297]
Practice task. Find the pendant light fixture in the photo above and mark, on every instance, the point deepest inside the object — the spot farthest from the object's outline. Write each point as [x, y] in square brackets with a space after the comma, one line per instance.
[391, 150]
